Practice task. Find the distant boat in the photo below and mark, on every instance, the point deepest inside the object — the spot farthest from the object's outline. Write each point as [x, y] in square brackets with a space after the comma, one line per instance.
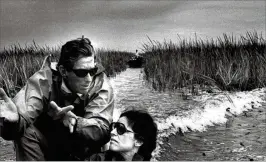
[136, 62]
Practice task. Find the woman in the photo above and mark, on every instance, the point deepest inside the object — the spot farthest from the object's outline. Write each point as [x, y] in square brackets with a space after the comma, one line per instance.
[133, 138]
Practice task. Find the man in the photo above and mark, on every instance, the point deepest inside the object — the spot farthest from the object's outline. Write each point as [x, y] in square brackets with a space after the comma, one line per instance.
[64, 111]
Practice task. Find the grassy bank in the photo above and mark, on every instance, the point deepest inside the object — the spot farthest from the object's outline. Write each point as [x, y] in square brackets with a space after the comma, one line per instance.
[19, 63]
[228, 62]
[113, 61]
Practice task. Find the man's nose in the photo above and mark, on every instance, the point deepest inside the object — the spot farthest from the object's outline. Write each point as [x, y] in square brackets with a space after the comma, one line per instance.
[88, 78]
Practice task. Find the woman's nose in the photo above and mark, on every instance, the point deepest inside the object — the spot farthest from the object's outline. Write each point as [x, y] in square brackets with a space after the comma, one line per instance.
[114, 132]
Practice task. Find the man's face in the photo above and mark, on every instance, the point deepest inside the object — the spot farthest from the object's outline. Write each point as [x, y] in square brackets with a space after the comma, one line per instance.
[77, 83]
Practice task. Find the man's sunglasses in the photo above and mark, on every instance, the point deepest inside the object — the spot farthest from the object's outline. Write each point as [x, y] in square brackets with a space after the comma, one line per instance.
[120, 128]
[84, 72]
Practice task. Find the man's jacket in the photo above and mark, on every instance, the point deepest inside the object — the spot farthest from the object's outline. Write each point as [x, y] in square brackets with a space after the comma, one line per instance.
[95, 110]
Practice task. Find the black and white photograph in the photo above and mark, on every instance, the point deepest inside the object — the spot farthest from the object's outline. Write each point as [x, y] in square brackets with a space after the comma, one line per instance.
[132, 80]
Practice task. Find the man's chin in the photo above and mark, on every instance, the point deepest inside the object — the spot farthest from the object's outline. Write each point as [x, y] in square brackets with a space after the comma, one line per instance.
[82, 90]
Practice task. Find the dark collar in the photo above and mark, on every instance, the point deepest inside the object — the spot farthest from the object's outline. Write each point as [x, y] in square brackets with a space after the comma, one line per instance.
[114, 156]
[137, 157]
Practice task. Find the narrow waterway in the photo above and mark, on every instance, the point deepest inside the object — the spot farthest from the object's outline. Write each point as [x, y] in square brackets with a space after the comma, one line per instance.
[209, 132]
[198, 128]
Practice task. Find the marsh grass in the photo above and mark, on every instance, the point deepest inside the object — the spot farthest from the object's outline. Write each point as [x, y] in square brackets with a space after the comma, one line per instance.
[113, 61]
[18, 63]
[228, 63]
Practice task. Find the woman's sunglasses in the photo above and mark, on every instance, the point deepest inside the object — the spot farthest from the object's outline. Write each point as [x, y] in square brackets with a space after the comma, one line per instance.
[120, 128]
[84, 72]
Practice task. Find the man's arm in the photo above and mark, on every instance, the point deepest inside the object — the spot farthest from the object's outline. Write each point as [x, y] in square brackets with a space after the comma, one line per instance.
[94, 126]
[29, 104]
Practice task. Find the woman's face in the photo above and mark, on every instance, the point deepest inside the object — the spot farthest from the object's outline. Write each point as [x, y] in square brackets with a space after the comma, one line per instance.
[125, 142]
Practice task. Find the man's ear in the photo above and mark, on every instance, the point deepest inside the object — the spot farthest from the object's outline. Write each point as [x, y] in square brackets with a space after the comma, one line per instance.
[138, 143]
[62, 71]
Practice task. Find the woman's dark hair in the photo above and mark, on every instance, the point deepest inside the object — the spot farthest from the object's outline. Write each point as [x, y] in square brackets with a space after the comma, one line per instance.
[73, 50]
[146, 130]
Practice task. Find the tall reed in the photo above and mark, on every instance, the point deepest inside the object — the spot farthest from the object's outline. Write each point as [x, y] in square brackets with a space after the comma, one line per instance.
[18, 63]
[228, 62]
[113, 61]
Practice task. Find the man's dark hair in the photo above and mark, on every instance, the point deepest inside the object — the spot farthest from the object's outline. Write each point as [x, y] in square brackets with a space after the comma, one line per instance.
[145, 130]
[73, 50]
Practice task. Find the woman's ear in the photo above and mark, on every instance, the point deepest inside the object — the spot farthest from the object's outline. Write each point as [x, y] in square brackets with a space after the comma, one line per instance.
[62, 71]
[138, 143]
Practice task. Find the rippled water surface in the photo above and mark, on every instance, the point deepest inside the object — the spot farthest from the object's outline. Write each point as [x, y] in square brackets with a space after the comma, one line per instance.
[240, 138]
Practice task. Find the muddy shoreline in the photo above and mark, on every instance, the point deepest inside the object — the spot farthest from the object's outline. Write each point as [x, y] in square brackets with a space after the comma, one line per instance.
[7, 151]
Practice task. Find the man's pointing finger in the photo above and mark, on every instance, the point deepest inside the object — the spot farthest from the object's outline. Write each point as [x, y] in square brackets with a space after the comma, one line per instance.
[66, 109]
[54, 106]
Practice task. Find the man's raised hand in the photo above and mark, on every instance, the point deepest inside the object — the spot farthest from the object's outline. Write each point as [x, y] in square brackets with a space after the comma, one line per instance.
[8, 110]
[57, 112]
[69, 118]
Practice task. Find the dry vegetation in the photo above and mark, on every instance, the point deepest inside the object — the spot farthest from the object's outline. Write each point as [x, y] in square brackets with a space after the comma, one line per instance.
[228, 62]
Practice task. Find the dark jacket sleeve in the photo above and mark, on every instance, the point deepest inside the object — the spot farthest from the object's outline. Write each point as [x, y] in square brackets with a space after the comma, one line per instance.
[94, 126]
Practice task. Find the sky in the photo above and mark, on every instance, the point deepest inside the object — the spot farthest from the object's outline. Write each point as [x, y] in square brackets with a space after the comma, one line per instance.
[125, 25]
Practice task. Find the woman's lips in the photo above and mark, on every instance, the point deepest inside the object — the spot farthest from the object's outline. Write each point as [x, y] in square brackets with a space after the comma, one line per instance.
[113, 140]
